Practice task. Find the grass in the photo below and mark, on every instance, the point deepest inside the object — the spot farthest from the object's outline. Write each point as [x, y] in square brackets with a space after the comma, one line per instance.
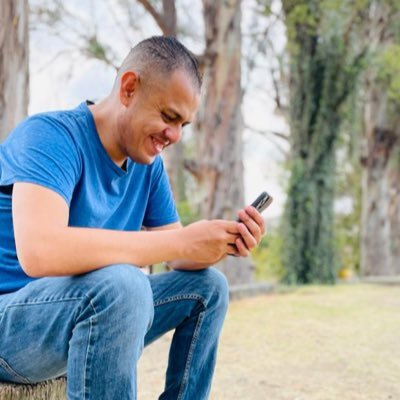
[322, 343]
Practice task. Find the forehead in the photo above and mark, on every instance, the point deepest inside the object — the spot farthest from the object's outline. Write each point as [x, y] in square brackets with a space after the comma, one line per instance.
[178, 92]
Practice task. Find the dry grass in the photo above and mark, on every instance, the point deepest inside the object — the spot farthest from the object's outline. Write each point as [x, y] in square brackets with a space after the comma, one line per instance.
[314, 343]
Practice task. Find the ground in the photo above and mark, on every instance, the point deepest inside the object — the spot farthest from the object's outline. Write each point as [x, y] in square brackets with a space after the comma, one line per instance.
[312, 343]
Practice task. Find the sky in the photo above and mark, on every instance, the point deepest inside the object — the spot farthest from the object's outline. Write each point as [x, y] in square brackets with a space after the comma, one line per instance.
[61, 78]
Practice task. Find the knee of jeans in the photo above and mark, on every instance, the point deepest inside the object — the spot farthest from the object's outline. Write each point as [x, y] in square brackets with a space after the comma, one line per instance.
[123, 287]
[217, 286]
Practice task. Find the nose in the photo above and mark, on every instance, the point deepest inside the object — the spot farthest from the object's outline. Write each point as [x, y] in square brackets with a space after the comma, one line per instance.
[174, 133]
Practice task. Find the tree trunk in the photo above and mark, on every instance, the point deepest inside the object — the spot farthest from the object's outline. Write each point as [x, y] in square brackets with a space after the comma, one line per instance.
[380, 193]
[321, 77]
[218, 168]
[380, 225]
[394, 206]
[14, 67]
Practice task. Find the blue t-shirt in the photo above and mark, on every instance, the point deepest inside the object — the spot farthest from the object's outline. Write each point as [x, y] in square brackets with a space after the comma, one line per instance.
[62, 151]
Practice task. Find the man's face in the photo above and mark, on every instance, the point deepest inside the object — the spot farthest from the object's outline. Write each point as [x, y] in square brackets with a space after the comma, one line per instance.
[154, 114]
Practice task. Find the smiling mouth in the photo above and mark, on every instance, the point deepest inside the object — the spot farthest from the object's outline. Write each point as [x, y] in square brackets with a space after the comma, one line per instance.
[159, 144]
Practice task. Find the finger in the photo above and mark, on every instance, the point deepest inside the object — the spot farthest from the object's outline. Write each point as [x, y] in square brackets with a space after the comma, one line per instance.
[248, 239]
[238, 213]
[232, 250]
[241, 247]
[228, 226]
[230, 238]
[251, 225]
[257, 217]
[231, 226]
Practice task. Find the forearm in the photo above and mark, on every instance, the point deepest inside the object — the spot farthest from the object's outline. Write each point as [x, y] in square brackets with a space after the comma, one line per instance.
[71, 251]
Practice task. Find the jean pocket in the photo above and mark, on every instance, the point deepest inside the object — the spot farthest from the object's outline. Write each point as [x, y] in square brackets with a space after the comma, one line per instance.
[8, 374]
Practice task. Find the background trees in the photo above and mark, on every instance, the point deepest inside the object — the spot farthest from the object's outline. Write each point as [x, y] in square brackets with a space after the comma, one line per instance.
[14, 56]
[336, 83]
[323, 69]
[380, 244]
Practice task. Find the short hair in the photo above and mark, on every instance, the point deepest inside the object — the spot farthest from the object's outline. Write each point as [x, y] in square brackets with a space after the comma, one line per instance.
[162, 55]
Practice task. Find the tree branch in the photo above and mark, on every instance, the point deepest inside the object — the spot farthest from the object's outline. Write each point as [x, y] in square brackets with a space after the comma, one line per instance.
[193, 167]
[159, 18]
[267, 132]
[269, 136]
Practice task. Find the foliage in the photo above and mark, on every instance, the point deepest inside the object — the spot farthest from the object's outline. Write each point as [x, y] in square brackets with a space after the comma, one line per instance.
[348, 240]
[97, 50]
[267, 257]
[323, 72]
[264, 7]
[347, 224]
[348, 187]
[388, 67]
[186, 213]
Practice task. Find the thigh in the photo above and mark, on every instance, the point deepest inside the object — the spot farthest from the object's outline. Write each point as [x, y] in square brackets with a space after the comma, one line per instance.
[36, 323]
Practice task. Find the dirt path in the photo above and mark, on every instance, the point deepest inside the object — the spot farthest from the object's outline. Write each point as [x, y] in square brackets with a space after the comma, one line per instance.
[339, 343]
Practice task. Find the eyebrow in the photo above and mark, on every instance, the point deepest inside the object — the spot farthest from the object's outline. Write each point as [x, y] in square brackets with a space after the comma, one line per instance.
[177, 115]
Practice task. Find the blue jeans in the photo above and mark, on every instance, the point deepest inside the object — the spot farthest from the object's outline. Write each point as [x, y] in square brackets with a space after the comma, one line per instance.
[93, 328]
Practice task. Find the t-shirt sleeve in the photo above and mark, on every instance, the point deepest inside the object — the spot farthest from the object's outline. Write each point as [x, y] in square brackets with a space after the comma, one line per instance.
[41, 151]
[161, 208]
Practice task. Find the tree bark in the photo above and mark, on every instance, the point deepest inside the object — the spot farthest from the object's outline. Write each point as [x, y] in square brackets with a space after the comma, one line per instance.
[394, 206]
[379, 191]
[380, 231]
[14, 66]
[218, 168]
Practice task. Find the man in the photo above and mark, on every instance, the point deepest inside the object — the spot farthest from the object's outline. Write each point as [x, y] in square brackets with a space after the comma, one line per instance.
[75, 189]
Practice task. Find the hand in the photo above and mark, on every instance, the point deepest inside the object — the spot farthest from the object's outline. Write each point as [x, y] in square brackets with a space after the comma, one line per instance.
[251, 229]
[209, 241]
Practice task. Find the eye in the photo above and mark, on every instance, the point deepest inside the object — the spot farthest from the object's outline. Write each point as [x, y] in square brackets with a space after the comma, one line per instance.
[166, 117]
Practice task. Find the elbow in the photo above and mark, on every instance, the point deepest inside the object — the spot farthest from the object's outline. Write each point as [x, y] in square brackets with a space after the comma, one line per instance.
[32, 272]
[31, 260]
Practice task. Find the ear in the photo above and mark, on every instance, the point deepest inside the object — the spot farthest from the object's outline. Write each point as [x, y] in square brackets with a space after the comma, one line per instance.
[129, 85]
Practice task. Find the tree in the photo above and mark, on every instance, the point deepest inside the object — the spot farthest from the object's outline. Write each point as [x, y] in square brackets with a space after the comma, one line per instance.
[218, 165]
[323, 67]
[14, 55]
[380, 225]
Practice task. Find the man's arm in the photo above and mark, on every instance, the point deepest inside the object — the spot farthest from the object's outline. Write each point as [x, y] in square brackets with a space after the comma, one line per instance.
[251, 230]
[179, 264]
[47, 246]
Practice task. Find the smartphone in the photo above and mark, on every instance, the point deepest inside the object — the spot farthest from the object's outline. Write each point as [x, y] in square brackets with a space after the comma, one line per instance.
[261, 202]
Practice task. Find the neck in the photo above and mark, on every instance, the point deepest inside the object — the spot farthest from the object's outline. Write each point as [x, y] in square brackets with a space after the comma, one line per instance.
[106, 125]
